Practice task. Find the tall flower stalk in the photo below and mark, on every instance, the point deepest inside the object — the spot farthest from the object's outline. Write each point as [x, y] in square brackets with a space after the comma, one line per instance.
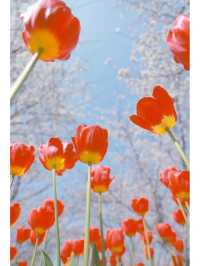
[87, 218]
[179, 149]
[58, 263]
[34, 253]
[101, 228]
[24, 75]
[146, 241]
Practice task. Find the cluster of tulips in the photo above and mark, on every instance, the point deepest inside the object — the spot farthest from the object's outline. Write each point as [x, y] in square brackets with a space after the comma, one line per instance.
[51, 32]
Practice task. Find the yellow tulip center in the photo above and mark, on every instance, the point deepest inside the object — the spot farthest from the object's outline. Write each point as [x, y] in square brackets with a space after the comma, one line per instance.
[90, 157]
[166, 123]
[45, 40]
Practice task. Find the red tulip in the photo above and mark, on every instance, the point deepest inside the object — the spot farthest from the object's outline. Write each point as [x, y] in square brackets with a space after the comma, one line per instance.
[178, 39]
[13, 252]
[94, 235]
[157, 113]
[140, 206]
[50, 26]
[22, 263]
[113, 260]
[15, 211]
[66, 250]
[179, 245]
[91, 143]
[166, 174]
[139, 264]
[41, 219]
[115, 241]
[22, 234]
[49, 203]
[21, 158]
[166, 232]
[179, 185]
[100, 179]
[39, 237]
[129, 227]
[57, 155]
[78, 247]
[178, 217]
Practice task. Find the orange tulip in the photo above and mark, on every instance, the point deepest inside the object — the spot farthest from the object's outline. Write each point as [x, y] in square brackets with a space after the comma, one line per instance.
[140, 206]
[50, 26]
[57, 155]
[13, 252]
[22, 263]
[41, 219]
[178, 40]
[15, 211]
[100, 179]
[91, 143]
[140, 226]
[115, 241]
[129, 227]
[39, 237]
[157, 113]
[22, 234]
[49, 203]
[21, 158]
[139, 264]
[178, 217]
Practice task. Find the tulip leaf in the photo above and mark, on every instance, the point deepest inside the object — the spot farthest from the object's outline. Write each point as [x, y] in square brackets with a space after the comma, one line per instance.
[45, 259]
[95, 260]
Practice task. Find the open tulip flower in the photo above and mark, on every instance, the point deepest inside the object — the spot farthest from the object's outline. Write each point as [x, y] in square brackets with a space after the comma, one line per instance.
[15, 210]
[100, 179]
[41, 219]
[51, 29]
[57, 155]
[23, 234]
[178, 39]
[140, 206]
[49, 203]
[91, 143]
[21, 158]
[157, 113]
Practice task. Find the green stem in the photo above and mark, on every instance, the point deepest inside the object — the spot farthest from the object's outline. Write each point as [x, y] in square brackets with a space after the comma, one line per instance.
[34, 252]
[179, 149]
[25, 73]
[56, 219]
[87, 220]
[146, 242]
[101, 228]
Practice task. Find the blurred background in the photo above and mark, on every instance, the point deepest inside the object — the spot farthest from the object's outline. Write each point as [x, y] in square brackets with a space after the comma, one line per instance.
[121, 55]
